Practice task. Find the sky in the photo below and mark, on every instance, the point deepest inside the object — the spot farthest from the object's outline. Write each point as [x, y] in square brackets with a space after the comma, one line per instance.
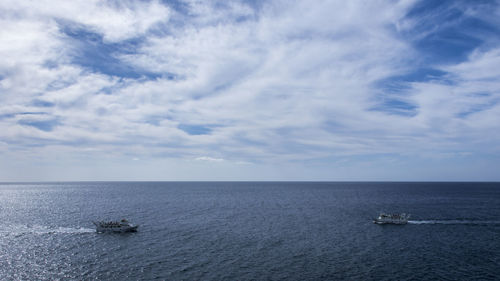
[250, 90]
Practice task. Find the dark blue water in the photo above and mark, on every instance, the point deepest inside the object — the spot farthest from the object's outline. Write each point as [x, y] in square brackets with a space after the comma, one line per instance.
[250, 231]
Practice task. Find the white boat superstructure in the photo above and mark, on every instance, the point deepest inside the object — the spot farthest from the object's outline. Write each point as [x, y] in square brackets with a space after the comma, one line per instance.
[115, 226]
[384, 218]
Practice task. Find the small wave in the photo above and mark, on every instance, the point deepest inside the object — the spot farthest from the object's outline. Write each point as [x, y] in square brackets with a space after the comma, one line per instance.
[455, 221]
[40, 229]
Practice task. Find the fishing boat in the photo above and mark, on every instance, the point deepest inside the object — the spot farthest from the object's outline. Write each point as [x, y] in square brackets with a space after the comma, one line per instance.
[384, 218]
[115, 226]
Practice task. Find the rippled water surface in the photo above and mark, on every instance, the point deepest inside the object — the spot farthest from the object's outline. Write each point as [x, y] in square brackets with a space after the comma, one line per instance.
[250, 231]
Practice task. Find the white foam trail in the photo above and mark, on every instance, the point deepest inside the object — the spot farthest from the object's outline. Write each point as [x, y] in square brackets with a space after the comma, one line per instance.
[74, 230]
[470, 222]
[41, 229]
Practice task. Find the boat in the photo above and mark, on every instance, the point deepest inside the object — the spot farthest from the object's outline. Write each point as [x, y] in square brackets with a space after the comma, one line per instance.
[384, 218]
[115, 226]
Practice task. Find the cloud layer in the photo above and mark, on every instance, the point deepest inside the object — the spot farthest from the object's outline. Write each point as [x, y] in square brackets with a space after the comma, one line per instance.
[403, 90]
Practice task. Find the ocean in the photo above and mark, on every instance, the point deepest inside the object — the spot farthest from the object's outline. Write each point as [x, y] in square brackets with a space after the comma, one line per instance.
[250, 231]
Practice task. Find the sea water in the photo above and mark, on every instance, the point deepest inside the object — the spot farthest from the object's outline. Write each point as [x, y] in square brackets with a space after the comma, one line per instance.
[250, 231]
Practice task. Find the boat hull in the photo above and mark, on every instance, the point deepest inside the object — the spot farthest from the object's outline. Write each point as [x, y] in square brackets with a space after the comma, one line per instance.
[119, 228]
[377, 221]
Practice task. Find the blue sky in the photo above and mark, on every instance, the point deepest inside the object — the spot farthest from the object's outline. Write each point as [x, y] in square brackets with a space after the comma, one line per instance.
[250, 90]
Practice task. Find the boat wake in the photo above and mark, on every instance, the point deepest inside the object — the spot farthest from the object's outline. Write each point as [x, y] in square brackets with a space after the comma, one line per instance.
[455, 221]
[40, 229]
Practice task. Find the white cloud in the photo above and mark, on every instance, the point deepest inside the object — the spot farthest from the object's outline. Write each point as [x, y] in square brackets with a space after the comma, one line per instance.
[115, 20]
[258, 76]
[481, 65]
[283, 71]
[284, 83]
[209, 159]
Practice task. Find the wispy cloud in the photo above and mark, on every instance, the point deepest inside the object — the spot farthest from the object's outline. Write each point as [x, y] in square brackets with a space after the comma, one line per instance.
[209, 159]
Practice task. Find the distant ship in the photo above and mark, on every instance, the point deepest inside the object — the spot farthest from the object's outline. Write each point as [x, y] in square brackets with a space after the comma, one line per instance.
[392, 218]
[115, 226]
